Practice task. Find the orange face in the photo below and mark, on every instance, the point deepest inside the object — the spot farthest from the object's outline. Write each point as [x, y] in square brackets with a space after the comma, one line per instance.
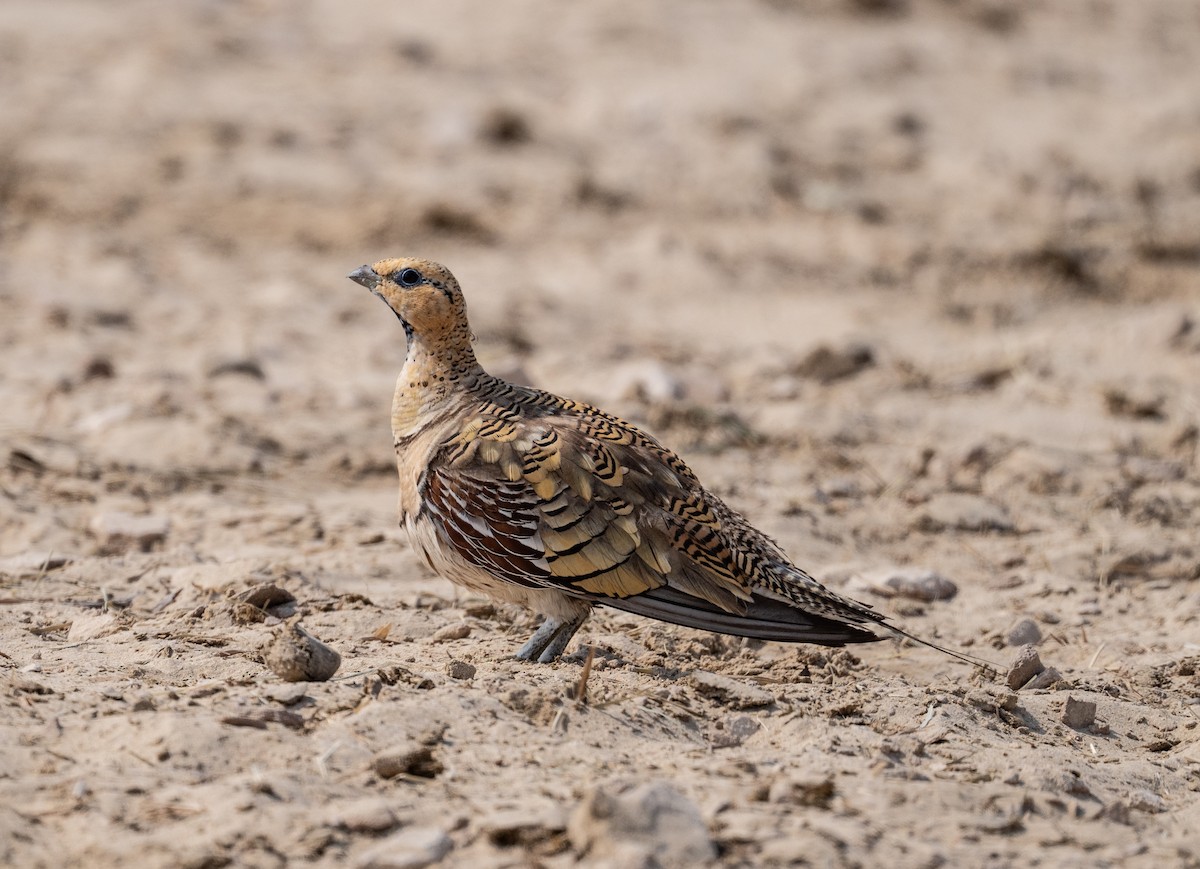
[423, 294]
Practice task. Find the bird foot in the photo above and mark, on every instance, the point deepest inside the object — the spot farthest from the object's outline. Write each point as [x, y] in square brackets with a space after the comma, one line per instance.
[550, 639]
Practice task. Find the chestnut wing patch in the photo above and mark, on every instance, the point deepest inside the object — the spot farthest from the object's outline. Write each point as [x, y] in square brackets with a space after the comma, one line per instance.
[492, 524]
[543, 505]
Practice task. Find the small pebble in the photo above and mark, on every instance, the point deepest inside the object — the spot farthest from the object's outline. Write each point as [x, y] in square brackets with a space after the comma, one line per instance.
[288, 695]
[459, 631]
[1027, 665]
[460, 670]
[367, 816]
[415, 760]
[1044, 679]
[923, 585]
[1078, 714]
[743, 727]
[1024, 633]
[265, 595]
[298, 656]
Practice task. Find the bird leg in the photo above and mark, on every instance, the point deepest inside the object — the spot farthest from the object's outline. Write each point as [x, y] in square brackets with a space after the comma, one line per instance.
[551, 638]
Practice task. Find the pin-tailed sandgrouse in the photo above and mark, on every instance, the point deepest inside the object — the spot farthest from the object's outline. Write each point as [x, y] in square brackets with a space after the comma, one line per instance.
[554, 504]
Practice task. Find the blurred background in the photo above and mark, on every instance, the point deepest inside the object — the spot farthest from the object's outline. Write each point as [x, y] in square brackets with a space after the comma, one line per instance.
[910, 282]
[646, 204]
[847, 256]
[185, 189]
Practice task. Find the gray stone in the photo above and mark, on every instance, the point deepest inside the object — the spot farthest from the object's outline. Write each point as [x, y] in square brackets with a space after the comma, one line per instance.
[736, 731]
[1044, 679]
[923, 585]
[653, 819]
[1024, 633]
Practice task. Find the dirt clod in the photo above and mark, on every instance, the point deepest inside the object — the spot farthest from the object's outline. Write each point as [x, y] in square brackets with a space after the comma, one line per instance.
[298, 656]
[459, 631]
[1078, 714]
[456, 669]
[1027, 665]
[415, 760]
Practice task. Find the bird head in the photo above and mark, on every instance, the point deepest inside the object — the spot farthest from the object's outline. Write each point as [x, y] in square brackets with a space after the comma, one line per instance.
[423, 294]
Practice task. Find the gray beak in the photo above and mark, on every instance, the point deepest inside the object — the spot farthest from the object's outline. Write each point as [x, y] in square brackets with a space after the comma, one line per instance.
[366, 276]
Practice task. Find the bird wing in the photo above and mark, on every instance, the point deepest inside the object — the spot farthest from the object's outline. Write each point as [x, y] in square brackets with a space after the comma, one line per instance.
[574, 499]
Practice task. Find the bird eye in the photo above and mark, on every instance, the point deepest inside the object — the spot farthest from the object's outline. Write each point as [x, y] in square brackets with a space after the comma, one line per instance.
[409, 278]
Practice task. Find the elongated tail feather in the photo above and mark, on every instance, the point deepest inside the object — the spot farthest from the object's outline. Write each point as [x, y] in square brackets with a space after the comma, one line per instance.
[769, 619]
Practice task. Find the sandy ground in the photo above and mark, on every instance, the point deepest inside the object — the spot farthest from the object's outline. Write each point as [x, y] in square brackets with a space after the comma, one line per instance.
[915, 285]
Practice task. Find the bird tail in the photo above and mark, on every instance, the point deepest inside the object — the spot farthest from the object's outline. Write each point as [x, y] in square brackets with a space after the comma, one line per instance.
[764, 618]
[811, 594]
[767, 618]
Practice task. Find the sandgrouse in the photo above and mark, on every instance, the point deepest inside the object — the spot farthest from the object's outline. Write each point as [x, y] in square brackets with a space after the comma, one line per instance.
[557, 505]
